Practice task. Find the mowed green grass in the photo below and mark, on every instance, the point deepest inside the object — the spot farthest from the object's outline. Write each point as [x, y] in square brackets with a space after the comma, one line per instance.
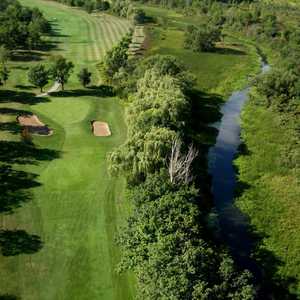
[221, 72]
[81, 37]
[75, 208]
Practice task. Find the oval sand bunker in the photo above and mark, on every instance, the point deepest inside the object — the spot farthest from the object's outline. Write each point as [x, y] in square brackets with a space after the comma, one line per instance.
[100, 128]
[34, 125]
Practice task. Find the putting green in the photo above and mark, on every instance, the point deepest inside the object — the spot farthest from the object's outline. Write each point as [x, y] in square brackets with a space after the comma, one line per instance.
[71, 202]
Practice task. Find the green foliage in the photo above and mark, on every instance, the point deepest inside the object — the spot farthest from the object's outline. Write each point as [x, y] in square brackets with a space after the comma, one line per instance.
[21, 27]
[139, 16]
[84, 77]
[4, 55]
[123, 8]
[4, 74]
[159, 101]
[102, 5]
[61, 69]
[203, 38]
[280, 88]
[163, 243]
[168, 65]
[142, 154]
[38, 76]
[114, 60]
[269, 167]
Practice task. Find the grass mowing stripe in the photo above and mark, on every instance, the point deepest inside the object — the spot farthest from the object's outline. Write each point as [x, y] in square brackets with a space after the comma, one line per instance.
[122, 26]
[97, 41]
[93, 38]
[87, 48]
[109, 33]
[116, 36]
[104, 34]
[100, 38]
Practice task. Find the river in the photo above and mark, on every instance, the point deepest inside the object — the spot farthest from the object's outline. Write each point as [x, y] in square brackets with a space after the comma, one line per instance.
[232, 223]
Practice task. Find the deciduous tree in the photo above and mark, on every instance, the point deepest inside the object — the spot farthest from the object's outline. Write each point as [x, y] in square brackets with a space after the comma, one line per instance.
[84, 77]
[61, 70]
[38, 76]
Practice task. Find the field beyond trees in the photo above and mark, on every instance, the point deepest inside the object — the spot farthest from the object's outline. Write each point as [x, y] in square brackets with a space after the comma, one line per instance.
[63, 210]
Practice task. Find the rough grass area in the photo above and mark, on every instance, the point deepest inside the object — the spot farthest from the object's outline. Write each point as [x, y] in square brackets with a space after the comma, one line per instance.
[269, 193]
[59, 209]
[221, 72]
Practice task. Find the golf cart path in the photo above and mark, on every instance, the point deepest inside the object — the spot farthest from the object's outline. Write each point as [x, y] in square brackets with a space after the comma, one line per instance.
[53, 89]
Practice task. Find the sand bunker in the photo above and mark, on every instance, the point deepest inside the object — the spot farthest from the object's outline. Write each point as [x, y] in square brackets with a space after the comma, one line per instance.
[34, 125]
[100, 128]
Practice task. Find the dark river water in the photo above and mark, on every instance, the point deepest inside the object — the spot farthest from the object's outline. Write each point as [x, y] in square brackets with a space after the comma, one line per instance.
[233, 224]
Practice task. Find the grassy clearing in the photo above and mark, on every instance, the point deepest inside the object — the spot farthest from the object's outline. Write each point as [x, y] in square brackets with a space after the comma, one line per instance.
[65, 195]
[218, 72]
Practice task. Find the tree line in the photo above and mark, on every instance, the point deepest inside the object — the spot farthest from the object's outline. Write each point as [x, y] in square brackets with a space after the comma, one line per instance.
[165, 241]
[21, 27]
[88, 5]
[59, 70]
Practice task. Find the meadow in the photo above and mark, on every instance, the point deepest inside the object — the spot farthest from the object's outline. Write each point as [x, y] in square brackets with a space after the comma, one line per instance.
[62, 210]
[220, 72]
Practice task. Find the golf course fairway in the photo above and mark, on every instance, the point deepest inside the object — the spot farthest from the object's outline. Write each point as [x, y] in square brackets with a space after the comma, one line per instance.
[67, 210]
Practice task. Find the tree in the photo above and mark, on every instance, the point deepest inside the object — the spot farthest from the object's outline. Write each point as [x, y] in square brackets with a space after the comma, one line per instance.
[102, 5]
[158, 101]
[84, 77]
[180, 170]
[38, 76]
[168, 65]
[143, 153]
[202, 38]
[139, 17]
[89, 6]
[163, 244]
[114, 60]
[4, 73]
[4, 54]
[61, 70]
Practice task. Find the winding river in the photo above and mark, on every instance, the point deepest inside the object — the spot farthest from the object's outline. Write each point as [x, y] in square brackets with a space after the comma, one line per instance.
[233, 224]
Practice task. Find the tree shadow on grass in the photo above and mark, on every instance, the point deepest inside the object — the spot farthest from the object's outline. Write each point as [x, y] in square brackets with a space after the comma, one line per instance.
[229, 51]
[100, 91]
[23, 68]
[16, 242]
[12, 127]
[27, 56]
[7, 96]
[12, 152]
[13, 186]
[9, 297]
[13, 111]
[56, 30]
[24, 87]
